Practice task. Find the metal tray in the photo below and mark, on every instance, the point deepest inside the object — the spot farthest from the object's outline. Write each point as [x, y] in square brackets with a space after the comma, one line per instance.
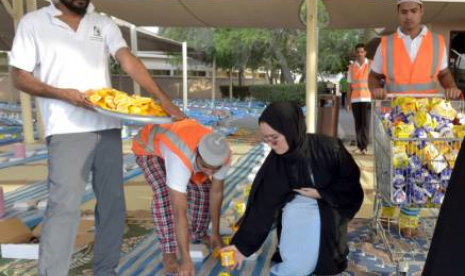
[133, 117]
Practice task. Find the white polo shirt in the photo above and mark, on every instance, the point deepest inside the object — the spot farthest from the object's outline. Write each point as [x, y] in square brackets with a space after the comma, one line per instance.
[412, 46]
[61, 57]
[177, 173]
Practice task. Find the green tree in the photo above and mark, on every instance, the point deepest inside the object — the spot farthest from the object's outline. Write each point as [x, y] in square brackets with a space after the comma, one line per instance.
[278, 50]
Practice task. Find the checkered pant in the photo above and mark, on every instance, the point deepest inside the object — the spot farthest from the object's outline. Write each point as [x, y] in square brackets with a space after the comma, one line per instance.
[198, 204]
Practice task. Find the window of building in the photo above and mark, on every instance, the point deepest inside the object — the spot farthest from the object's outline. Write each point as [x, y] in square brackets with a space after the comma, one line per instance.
[155, 72]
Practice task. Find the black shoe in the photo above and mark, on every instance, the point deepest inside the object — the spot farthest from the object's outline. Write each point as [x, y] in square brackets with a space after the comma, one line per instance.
[276, 258]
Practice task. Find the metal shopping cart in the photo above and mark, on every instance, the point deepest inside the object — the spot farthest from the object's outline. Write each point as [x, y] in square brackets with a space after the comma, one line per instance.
[412, 172]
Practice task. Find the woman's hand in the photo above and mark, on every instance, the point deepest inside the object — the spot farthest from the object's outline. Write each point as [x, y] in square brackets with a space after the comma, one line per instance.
[238, 257]
[308, 192]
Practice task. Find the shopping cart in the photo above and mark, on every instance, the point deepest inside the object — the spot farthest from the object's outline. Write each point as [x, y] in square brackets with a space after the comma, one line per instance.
[410, 172]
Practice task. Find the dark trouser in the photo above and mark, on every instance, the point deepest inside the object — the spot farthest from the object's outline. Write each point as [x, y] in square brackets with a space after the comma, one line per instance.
[361, 113]
[71, 159]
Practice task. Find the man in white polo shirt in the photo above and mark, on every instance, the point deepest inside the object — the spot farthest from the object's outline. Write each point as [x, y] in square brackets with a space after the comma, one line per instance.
[58, 52]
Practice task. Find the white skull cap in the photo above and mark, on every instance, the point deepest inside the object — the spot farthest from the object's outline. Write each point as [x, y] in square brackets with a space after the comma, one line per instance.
[214, 149]
[415, 1]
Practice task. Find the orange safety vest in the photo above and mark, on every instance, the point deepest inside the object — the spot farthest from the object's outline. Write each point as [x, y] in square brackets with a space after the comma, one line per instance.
[181, 137]
[417, 77]
[359, 77]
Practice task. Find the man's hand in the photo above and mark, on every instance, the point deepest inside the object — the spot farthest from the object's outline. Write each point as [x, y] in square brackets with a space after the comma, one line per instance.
[379, 93]
[216, 241]
[186, 268]
[348, 106]
[75, 97]
[173, 110]
[453, 93]
[239, 258]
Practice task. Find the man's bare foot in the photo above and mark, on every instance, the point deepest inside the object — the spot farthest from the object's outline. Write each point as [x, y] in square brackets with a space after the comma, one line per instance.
[170, 263]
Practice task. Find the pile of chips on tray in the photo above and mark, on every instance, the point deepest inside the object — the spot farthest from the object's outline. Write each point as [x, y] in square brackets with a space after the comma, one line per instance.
[115, 100]
[424, 157]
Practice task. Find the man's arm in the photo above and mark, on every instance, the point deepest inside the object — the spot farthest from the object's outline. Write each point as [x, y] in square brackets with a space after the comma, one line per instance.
[447, 82]
[179, 207]
[349, 96]
[26, 82]
[374, 83]
[138, 72]
[216, 200]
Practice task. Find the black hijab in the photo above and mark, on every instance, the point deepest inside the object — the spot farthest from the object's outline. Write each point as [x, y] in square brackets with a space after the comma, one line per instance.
[273, 186]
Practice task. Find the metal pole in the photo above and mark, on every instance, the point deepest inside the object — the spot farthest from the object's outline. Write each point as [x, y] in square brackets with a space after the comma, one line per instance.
[184, 76]
[231, 84]
[311, 72]
[213, 82]
[135, 50]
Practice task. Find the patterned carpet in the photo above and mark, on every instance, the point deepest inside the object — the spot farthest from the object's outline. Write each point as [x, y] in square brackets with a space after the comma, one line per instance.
[141, 256]
[141, 253]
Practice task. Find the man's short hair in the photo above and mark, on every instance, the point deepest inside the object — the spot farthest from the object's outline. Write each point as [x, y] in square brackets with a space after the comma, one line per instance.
[360, 45]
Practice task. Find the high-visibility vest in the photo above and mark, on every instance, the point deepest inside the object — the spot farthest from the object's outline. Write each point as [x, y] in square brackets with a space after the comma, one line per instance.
[181, 137]
[359, 85]
[417, 77]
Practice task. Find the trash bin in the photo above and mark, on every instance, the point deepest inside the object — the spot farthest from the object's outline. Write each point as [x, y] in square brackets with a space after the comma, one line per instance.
[328, 114]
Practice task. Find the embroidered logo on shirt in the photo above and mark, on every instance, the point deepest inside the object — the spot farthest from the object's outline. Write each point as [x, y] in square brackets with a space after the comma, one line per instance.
[97, 34]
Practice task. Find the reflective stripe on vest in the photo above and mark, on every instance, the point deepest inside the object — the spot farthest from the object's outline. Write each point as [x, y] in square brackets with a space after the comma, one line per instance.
[359, 82]
[393, 86]
[173, 138]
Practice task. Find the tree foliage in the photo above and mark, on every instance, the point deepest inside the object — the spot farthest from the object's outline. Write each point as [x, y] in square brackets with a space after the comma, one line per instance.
[278, 50]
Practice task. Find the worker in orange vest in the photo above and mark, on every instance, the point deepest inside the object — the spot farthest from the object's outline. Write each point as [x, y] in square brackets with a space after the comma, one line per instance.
[359, 96]
[185, 163]
[410, 61]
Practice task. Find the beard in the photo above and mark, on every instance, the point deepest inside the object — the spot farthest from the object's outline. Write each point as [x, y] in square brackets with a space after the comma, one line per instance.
[77, 6]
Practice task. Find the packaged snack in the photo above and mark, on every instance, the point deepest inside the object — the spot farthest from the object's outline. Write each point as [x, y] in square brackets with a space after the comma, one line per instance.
[442, 147]
[418, 195]
[408, 105]
[247, 189]
[446, 133]
[438, 164]
[415, 163]
[451, 157]
[421, 133]
[422, 176]
[399, 196]
[400, 146]
[423, 105]
[398, 180]
[240, 208]
[446, 174]
[423, 120]
[438, 197]
[403, 130]
[227, 258]
[226, 240]
[434, 134]
[444, 110]
[428, 153]
[400, 160]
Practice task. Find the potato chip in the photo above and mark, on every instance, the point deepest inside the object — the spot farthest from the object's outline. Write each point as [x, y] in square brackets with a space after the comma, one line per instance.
[115, 100]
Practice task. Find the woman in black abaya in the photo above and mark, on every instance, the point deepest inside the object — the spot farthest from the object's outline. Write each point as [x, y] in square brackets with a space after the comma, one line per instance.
[446, 253]
[314, 183]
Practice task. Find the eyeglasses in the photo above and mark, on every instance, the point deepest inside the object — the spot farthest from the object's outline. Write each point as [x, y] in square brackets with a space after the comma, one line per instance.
[271, 139]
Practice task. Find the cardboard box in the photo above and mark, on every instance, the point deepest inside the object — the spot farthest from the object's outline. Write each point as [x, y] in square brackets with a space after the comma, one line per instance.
[15, 238]
[13, 230]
